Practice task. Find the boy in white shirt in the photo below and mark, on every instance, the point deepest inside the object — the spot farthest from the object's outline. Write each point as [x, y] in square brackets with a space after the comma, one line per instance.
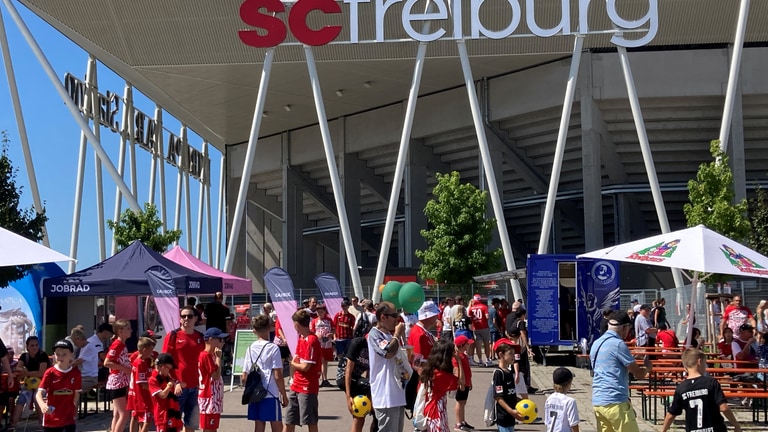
[560, 411]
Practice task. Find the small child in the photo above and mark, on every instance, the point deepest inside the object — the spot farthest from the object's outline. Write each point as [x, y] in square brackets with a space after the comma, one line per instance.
[520, 388]
[503, 382]
[562, 412]
[462, 394]
[59, 391]
[211, 396]
[701, 397]
[139, 399]
[167, 415]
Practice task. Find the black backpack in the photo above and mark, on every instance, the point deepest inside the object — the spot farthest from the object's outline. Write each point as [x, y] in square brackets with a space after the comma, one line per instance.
[363, 325]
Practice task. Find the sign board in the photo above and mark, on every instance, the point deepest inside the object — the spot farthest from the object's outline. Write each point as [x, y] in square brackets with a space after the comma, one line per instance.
[243, 340]
[566, 297]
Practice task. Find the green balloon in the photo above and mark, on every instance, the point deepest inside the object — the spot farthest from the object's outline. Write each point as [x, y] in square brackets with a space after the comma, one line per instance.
[391, 293]
[411, 297]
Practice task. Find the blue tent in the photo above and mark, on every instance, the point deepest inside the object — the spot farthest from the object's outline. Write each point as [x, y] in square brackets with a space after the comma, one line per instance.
[132, 271]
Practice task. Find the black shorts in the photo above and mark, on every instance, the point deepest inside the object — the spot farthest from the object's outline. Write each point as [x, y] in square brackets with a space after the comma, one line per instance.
[68, 428]
[113, 394]
[462, 395]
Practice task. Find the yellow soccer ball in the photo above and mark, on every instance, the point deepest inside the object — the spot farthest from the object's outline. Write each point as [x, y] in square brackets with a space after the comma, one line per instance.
[528, 409]
[361, 406]
[32, 383]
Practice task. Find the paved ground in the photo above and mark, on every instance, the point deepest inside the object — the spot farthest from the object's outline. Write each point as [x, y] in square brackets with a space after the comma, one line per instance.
[334, 416]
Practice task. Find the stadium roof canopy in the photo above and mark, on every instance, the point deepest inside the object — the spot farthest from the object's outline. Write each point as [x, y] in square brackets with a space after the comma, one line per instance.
[187, 56]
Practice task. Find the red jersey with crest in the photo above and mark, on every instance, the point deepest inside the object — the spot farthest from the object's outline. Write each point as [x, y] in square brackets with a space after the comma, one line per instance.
[308, 351]
[118, 353]
[211, 390]
[62, 387]
[479, 314]
[166, 413]
[139, 399]
[185, 349]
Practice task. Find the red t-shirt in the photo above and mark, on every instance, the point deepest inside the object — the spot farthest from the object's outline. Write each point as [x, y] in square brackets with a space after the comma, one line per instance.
[62, 387]
[465, 369]
[163, 420]
[502, 313]
[308, 351]
[118, 353]
[344, 322]
[725, 349]
[667, 338]
[421, 340]
[479, 314]
[442, 383]
[207, 364]
[139, 399]
[185, 353]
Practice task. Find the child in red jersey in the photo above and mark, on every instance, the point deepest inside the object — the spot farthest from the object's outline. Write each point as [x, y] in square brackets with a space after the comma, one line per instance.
[461, 361]
[322, 327]
[302, 399]
[139, 399]
[161, 384]
[211, 395]
[59, 391]
[119, 365]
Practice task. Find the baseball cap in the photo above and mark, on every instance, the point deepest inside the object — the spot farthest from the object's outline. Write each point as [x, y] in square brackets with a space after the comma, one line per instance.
[215, 333]
[476, 297]
[463, 340]
[64, 344]
[561, 376]
[150, 334]
[165, 359]
[500, 342]
[428, 310]
[746, 326]
[619, 318]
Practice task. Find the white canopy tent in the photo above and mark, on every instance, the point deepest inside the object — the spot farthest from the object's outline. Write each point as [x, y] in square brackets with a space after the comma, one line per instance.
[16, 250]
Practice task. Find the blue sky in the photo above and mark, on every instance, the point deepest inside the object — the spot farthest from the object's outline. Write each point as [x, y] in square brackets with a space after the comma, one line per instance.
[54, 139]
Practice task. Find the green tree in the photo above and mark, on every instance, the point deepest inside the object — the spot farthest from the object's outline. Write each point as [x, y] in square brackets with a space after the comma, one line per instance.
[711, 199]
[458, 239]
[145, 226]
[758, 217]
[24, 222]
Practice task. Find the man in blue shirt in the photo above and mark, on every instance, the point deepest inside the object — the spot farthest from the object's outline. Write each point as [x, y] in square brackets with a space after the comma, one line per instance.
[612, 363]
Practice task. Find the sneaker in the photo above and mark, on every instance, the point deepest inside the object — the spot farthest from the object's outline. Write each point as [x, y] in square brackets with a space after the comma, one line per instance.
[489, 363]
[472, 362]
[461, 428]
[325, 383]
[468, 425]
[532, 389]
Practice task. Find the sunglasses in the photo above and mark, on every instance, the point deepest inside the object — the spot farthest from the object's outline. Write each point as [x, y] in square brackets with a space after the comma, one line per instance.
[188, 316]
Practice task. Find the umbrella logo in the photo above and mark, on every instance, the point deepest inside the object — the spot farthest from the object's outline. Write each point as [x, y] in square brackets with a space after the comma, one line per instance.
[656, 253]
[741, 262]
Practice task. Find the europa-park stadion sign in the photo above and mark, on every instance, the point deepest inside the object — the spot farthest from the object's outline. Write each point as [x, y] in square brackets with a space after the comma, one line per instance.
[447, 17]
[145, 130]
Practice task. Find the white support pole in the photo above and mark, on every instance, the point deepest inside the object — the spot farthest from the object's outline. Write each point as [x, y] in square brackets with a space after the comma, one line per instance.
[220, 208]
[132, 144]
[207, 188]
[93, 87]
[200, 204]
[74, 240]
[179, 191]
[485, 154]
[733, 76]
[645, 147]
[402, 159]
[127, 102]
[156, 156]
[330, 158]
[97, 148]
[187, 192]
[21, 125]
[245, 180]
[161, 168]
[562, 137]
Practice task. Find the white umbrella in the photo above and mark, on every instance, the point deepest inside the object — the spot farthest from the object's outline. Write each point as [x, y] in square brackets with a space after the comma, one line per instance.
[699, 249]
[16, 250]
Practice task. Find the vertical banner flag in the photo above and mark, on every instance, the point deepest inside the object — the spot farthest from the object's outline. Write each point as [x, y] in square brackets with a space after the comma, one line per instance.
[329, 288]
[280, 288]
[164, 292]
[598, 282]
[21, 315]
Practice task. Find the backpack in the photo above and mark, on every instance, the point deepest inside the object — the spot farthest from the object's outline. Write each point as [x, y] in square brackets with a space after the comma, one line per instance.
[341, 371]
[255, 390]
[363, 325]
[489, 407]
[419, 419]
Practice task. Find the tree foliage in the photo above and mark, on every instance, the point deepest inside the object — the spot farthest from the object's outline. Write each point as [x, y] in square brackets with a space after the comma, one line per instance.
[25, 222]
[758, 217]
[145, 226]
[458, 239]
[711, 199]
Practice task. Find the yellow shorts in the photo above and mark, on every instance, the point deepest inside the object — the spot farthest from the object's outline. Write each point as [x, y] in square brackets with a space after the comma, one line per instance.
[618, 417]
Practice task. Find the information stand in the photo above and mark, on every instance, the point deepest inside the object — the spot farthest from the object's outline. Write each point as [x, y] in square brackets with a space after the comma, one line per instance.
[243, 340]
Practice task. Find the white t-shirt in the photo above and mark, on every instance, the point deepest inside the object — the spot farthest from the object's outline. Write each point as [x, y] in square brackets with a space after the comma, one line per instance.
[386, 389]
[90, 355]
[269, 359]
[560, 413]
[448, 318]
[410, 320]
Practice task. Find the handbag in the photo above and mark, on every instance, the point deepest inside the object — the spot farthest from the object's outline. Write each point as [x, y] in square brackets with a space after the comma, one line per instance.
[255, 391]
